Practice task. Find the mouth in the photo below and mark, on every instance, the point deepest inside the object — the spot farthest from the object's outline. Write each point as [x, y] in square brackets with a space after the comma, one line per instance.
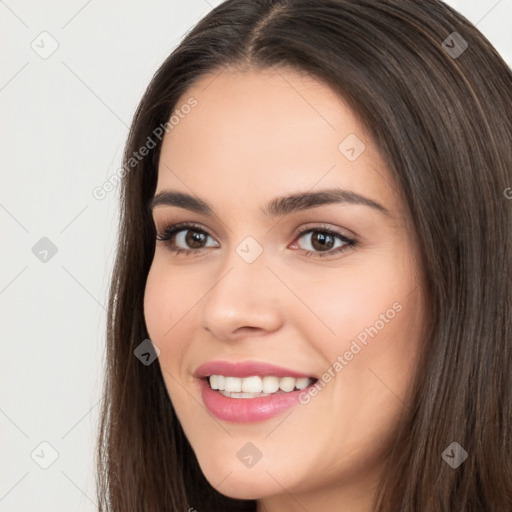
[256, 386]
[250, 391]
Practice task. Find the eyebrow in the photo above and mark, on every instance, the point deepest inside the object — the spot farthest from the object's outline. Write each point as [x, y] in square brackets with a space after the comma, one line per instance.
[278, 206]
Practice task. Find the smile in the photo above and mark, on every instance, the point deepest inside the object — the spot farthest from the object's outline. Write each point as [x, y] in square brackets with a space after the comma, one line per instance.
[256, 386]
[250, 391]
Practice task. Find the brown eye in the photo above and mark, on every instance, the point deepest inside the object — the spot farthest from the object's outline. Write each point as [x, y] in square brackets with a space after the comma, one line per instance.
[184, 238]
[321, 241]
[324, 242]
[194, 239]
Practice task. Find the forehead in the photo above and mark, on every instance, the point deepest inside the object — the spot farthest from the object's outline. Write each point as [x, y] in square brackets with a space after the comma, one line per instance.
[265, 132]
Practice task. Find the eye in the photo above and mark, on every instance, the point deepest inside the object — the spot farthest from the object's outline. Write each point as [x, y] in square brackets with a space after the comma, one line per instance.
[322, 241]
[184, 237]
[188, 238]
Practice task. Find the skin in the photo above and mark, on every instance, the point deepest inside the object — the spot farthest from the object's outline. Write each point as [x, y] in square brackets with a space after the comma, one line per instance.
[254, 136]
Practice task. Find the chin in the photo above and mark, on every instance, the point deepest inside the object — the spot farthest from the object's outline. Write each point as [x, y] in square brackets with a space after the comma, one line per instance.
[242, 483]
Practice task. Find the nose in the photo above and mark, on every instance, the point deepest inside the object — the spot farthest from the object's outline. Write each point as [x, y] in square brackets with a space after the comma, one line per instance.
[245, 300]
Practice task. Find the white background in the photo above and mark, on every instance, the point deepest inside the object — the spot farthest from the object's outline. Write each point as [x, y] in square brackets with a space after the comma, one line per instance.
[64, 124]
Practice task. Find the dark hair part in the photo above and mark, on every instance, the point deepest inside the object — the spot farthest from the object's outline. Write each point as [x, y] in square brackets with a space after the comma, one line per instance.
[444, 127]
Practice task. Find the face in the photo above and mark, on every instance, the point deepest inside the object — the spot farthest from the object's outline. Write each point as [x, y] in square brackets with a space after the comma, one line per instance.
[327, 287]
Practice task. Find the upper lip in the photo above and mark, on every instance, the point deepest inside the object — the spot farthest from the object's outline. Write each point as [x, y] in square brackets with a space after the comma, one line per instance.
[245, 369]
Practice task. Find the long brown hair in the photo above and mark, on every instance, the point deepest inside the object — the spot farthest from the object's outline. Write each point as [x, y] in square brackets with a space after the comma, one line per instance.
[441, 116]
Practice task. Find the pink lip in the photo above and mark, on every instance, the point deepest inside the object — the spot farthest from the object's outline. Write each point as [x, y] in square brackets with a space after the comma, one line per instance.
[245, 369]
[246, 410]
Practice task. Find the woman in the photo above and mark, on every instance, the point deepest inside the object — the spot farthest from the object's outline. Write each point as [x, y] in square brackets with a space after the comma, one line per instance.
[315, 236]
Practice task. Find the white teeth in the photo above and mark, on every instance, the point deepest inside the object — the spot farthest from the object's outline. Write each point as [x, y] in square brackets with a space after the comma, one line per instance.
[243, 395]
[217, 381]
[249, 387]
[270, 384]
[252, 385]
[301, 383]
[287, 384]
[233, 384]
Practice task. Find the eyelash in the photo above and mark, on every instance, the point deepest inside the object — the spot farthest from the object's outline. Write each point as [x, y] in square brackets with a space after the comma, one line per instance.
[172, 230]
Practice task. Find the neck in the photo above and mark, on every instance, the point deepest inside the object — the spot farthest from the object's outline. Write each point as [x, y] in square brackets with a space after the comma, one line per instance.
[342, 498]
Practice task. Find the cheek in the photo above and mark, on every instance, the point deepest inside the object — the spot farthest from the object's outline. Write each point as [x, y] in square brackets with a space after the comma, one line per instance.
[154, 313]
[371, 357]
[344, 306]
[166, 302]
[162, 313]
[169, 300]
[373, 318]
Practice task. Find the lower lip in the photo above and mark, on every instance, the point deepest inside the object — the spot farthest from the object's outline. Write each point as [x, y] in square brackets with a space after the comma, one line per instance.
[247, 410]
